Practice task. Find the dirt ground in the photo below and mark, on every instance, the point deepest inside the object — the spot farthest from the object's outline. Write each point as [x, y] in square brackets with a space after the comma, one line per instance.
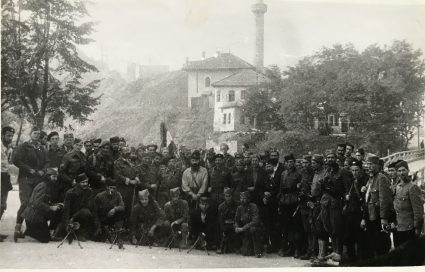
[30, 254]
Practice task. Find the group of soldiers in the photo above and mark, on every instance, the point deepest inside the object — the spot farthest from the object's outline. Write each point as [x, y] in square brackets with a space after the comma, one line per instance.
[316, 207]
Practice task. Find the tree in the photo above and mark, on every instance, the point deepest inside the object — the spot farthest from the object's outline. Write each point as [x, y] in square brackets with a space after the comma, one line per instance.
[262, 103]
[380, 89]
[42, 73]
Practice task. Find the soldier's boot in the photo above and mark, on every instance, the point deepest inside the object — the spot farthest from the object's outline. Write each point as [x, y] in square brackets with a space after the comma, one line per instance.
[221, 249]
[18, 233]
[183, 240]
[322, 251]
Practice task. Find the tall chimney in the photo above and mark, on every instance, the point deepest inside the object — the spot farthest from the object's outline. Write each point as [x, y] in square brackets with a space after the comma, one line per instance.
[259, 8]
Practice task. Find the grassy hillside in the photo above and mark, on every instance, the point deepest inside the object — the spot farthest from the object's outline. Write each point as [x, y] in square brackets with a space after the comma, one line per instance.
[135, 111]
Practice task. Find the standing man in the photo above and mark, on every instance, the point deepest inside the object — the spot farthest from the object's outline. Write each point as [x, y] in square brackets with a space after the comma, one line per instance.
[54, 152]
[68, 141]
[194, 180]
[115, 147]
[379, 204]
[229, 161]
[219, 178]
[31, 159]
[409, 207]
[341, 151]
[6, 152]
[349, 148]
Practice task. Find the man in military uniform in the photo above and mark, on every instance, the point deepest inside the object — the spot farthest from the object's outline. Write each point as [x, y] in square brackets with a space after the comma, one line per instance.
[257, 175]
[108, 210]
[409, 207]
[210, 159]
[100, 166]
[379, 204]
[77, 207]
[229, 161]
[219, 178]
[320, 236]
[392, 175]
[307, 174]
[31, 160]
[248, 227]
[169, 178]
[226, 217]
[73, 164]
[54, 152]
[88, 146]
[353, 211]
[177, 216]
[349, 149]
[127, 181]
[148, 219]
[42, 207]
[240, 182]
[288, 209]
[340, 152]
[96, 145]
[194, 180]
[68, 142]
[115, 147]
[6, 185]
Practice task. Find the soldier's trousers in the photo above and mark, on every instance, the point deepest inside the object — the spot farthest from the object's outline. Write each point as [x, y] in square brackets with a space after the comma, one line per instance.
[5, 187]
[251, 241]
[378, 242]
[26, 186]
[332, 222]
[86, 220]
[290, 224]
[401, 237]
[306, 217]
[352, 234]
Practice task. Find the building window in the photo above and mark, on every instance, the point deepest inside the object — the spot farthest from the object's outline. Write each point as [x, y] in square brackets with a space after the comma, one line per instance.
[243, 94]
[218, 96]
[224, 119]
[207, 82]
[242, 121]
[229, 118]
[231, 95]
[331, 120]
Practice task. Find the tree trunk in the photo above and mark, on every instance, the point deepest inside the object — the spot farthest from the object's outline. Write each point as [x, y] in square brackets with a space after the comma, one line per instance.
[19, 131]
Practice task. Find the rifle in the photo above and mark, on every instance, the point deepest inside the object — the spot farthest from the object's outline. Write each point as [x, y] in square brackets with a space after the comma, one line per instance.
[200, 239]
[71, 227]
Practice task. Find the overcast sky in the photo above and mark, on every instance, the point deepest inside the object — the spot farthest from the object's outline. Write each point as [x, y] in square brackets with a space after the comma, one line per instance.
[168, 31]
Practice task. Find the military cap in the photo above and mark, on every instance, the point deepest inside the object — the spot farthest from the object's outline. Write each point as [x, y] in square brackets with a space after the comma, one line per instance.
[77, 140]
[289, 157]
[152, 145]
[393, 164]
[68, 135]
[175, 191]
[355, 162]
[114, 139]
[373, 159]
[87, 141]
[211, 151]
[330, 152]
[52, 171]
[105, 142]
[221, 156]
[402, 164]
[267, 195]
[238, 155]
[7, 129]
[52, 134]
[196, 155]
[122, 139]
[244, 194]
[144, 193]
[203, 200]
[228, 191]
[34, 129]
[97, 141]
[110, 182]
[317, 158]
[81, 177]
[307, 157]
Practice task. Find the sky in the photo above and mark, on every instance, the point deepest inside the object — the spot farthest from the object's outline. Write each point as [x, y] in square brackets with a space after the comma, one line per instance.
[166, 32]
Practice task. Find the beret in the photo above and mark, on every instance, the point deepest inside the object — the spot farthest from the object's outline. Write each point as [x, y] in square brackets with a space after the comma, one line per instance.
[289, 157]
[81, 177]
[144, 193]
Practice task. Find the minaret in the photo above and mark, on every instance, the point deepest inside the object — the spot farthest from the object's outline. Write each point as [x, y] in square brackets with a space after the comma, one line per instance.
[259, 8]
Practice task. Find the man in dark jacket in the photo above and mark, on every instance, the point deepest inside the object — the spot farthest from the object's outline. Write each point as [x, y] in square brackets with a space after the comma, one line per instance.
[31, 159]
[108, 209]
[54, 152]
[219, 178]
[42, 207]
[248, 227]
[226, 217]
[177, 216]
[77, 207]
[100, 166]
[203, 220]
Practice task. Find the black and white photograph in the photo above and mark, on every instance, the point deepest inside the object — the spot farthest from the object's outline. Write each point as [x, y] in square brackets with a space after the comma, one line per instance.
[201, 134]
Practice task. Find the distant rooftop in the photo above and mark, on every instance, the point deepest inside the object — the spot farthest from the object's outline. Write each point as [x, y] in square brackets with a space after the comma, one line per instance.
[244, 78]
[221, 61]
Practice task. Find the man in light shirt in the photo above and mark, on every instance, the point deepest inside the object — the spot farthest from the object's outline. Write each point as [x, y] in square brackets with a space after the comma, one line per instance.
[194, 180]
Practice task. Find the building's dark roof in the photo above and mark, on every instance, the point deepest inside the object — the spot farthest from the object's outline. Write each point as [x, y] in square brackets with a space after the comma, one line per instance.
[222, 61]
[244, 78]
